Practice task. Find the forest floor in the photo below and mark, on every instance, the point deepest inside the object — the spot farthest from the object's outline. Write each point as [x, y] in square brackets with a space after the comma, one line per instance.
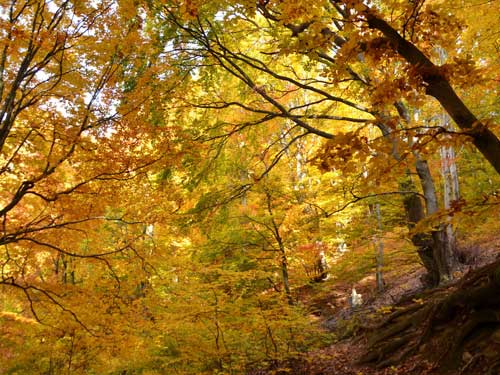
[477, 353]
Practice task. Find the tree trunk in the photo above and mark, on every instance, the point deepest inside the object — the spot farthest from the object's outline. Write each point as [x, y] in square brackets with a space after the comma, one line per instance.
[439, 249]
[413, 208]
[443, 247]
[284, 274]
[282, 250]
[451, 191]
[379, 251]
[422, 241]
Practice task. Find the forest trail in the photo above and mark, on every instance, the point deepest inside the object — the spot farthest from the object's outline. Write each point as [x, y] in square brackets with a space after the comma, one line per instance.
[357, 350]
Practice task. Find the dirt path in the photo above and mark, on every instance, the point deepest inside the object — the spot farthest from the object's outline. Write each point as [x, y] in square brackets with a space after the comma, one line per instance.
[332, 309]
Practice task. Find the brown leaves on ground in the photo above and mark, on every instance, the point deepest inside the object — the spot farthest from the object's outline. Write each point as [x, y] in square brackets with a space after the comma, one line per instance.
[479, 354]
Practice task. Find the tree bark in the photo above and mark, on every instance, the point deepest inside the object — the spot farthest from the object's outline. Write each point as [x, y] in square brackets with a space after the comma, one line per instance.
[432, 248]
[282, 250]
[424, 242]
[451, 190]
[440, 245]
[378, 245]
[443, 247]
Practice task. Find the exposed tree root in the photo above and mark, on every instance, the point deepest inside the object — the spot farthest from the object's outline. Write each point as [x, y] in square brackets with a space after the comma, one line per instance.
[443, 326]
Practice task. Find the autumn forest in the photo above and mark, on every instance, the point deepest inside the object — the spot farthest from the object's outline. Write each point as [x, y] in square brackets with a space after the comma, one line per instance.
[249, 187]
